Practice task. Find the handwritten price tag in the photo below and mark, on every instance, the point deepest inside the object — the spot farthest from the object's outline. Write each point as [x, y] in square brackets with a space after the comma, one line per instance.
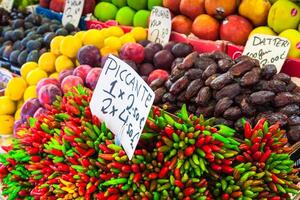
[7, 4]
[72, 12]
[160, 25]
[123, 101]
[268, 49]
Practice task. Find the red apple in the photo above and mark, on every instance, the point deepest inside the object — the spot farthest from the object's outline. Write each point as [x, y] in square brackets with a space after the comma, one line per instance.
[57, 5]
[158, 73]
[235, 29]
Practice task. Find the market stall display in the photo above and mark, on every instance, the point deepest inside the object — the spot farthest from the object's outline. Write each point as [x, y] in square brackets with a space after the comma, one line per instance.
[219, 128]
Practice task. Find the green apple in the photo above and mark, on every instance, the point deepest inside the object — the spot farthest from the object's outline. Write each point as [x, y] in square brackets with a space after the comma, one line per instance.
[137, 4]
[105, 11]
[262, 30]
[141, 18]
[125, 16]
[284, 15]
[152, 3]
[294, 37]
[119, 3]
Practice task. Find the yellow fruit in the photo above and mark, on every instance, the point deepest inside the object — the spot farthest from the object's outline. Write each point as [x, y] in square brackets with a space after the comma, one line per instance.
[18, 114]
[113, 42]
[255, 10]
[294, 37]
[20, 103]
[35, 76]
[115, 31]
[7, 106]
[93, 37]
[63, 63]
[15, 88]
[7, 124]
[77, 63]
[107, 50]
[54, 75]
[27, 67]
[70, 45]
[80, 35]
[262, 30]
[47, 62]
[55, 44]
[127, 38]
[139, 33]
[30, 92]
[105, 32]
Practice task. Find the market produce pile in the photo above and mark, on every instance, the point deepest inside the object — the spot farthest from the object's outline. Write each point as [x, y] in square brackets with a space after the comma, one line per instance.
[26, 38]
[67, 153]
[214, 85]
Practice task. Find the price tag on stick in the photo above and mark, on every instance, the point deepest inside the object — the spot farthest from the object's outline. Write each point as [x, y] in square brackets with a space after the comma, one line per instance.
[7, 4]
[72, 12]
[268, 49]
[123, 101]
[160, 25]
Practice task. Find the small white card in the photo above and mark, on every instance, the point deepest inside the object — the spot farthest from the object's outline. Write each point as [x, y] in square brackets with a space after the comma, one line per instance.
[72, 12]
[123, 101]
[7, 4]
[160, 25]
[268, 49]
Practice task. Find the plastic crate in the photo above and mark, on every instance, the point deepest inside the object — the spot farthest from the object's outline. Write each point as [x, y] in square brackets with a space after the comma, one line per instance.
[58, 16]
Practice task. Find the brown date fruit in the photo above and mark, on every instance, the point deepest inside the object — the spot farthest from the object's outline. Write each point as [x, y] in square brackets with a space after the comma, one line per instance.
[207, 111]
[261, 97]
[203, 96]
[181, 96]
[250, 78]
[232, 113]
[157, 83]
[203, 62]
[176, 73]
[230, 91]
[283, 98]
[210, 70]
[247, 108]
[193, 88]
[282, 77]
[292, 109]
[188, 61]
[268, 71]
[224, 65]
[179, 85]
[294, 120]
[222, 105]
[210, 79]
[218, 55]
[293, 134]
[168, 97]
[159, 94]
[194, 73]
[168, 84]
[220, 81]
[241, 67]
[220, 120]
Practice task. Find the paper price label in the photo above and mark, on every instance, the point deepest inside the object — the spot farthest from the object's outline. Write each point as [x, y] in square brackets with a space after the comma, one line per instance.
[268, 49]
[7, 4]
[160, 25]
[123, 101]
[72, 12]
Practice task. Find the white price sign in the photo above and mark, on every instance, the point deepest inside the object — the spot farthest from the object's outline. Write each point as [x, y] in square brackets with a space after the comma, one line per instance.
[123, 101]
[268, 49]
[160, 25]
[7, 4]
[72, 12]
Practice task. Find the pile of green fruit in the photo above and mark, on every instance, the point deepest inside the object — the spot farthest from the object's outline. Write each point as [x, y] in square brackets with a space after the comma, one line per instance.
[66, 153]
[126, 12]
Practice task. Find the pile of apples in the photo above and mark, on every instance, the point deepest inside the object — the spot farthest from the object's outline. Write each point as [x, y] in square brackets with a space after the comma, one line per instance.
[235, 20]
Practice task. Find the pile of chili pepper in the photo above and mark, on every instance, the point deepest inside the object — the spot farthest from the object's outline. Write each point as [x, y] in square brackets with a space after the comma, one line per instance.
[66, 153]
[263, 168]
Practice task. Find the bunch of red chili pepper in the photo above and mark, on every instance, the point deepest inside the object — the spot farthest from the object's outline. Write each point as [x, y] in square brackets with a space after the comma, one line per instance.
[263, 169]
[67, 153]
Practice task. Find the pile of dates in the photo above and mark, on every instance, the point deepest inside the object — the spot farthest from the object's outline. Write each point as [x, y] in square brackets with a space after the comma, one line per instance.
[214, 85]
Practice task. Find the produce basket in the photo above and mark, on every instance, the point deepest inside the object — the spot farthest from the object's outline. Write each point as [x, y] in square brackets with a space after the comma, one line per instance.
[58, 16]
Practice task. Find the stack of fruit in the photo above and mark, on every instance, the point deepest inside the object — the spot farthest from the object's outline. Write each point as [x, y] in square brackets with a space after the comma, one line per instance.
[59, 5]
[26, 38]
[126, 12]
[66, 153]
[233, 20]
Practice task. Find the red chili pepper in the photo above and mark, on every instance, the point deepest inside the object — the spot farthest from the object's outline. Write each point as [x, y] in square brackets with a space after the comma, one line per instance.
[135, 168]
[200, 142]
[73, 161]
[189, 151]
[106, 156]
[208, 139]
[31, 150]
[113, 197]
[225, 196]
[163, 172]
[23, 193]
[169, 131]
[85, 163]
[260, 124]
[210, 157]
[80, 150]
[274, 128]
[106, 176]
[38, 192]
[36, 158]
[247, 156]
[89, 153]
[137, 177]
[227, 161]
[91, 189]
[53, 181]
[179, 184]
[275, 198]
[255, 147]
[206, 149]
[126, 168]
[177, 174]
[104, 148]
[215, 148]
[227, 169]
[216, 167]
[247, 130]
[11, 161]
[213, 129]
[152, 176]
[189, 191]
[160, 157]
[257, 155]
[84, 177]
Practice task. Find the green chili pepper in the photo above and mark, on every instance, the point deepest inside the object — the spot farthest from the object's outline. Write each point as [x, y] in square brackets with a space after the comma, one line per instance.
[115, 182]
